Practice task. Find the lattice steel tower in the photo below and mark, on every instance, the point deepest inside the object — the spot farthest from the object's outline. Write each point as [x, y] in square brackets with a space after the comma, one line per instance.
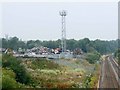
[63, 39]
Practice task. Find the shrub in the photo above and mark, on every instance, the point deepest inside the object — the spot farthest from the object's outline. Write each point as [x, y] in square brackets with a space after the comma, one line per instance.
[93, 82]
[93, 57]
[11, 62]
[8, 79]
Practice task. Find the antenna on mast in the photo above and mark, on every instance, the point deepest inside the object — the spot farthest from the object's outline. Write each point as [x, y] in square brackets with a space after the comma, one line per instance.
[63, 39]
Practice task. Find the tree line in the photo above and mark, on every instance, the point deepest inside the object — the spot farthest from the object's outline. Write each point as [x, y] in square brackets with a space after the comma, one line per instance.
[87, 45]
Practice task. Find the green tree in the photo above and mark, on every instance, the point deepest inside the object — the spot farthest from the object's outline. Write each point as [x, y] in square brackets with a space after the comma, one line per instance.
[101, 46]
[84, 43]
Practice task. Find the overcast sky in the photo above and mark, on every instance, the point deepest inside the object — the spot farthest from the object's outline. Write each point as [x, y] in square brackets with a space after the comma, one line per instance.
[42, 20]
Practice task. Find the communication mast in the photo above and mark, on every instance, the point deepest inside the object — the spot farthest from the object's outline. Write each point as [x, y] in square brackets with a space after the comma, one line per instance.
[63, 39]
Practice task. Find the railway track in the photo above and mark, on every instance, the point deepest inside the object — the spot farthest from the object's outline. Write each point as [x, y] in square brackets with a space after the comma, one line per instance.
[116, 68]
[109, 72]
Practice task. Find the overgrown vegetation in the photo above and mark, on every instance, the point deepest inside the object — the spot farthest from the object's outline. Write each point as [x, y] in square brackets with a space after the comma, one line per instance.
[8, 79]
[93, 57]
[91, 80]
[42, 73]
[14, 68]
[44, 64]
[117, 55]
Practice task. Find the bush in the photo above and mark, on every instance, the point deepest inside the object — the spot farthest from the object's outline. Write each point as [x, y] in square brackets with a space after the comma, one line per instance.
[93, 82]
[8, 72]
[117, 54]
[8, 79]
[93, 57]
[11, 62]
